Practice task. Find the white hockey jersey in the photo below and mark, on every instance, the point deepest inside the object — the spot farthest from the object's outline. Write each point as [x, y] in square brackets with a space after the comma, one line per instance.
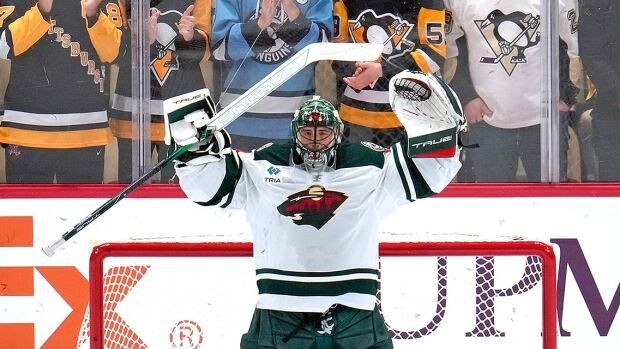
[315, 238]
[506, 53]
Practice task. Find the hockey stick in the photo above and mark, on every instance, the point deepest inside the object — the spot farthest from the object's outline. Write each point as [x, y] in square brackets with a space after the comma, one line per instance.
[309, 54]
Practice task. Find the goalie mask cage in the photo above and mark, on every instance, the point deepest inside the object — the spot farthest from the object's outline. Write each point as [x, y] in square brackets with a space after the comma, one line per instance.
[112, 283]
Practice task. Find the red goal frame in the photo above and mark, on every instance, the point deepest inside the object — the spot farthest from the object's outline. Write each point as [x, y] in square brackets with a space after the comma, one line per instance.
[244, 249]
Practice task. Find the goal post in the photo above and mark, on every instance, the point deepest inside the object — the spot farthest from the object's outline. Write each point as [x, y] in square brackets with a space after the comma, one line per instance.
[110, 285]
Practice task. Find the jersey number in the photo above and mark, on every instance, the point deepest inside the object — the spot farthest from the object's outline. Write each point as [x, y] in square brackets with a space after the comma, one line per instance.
[114, 14]
[5, 11]
[434, 33]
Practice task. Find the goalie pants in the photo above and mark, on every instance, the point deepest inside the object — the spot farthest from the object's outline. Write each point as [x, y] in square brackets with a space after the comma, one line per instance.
[339, 328]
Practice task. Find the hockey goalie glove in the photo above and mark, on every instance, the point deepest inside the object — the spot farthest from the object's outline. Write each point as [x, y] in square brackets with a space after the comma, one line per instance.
[430, 112]
[185, 117]
[218, 144]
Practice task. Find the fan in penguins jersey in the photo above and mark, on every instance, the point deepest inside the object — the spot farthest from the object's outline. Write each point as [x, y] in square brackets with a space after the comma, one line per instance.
[55, 126]
[501, 94]
[412, 34]
[175, 69]
[255, 37]
[314, 206]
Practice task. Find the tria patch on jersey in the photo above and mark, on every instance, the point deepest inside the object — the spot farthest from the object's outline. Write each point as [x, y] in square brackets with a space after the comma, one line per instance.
[314, 206]
[273, 170]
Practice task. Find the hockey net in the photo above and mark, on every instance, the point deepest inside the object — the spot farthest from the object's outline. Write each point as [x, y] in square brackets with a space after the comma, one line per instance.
[472, 294]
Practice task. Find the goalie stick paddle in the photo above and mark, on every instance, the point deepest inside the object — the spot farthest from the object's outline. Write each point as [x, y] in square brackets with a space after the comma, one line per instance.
[309, 54]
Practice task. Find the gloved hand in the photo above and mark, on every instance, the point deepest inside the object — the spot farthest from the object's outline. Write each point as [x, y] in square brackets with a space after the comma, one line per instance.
[430, 112]
[218, 144]
[212, 149]
[186, 117]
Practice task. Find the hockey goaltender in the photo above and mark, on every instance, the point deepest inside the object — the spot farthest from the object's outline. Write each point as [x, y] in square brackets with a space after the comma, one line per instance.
[314, 206]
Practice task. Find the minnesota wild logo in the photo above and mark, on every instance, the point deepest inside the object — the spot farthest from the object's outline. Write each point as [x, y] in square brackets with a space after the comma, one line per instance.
[314, 206]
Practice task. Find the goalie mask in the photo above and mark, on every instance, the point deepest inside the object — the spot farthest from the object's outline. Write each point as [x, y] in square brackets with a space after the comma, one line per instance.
[317, 131]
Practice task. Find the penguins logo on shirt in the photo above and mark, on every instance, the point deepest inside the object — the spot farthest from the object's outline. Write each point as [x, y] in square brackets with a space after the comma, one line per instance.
[314, 206]
[280, 51]
[386, 29]
[509, 36]
[166, 60]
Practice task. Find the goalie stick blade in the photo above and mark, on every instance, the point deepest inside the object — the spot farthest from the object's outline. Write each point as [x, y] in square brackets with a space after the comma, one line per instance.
[49, 250]
[312, 53]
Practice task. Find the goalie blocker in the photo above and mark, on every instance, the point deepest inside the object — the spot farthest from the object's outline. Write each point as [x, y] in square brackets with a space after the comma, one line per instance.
[430, 112]
[186, 118]
[185, 115]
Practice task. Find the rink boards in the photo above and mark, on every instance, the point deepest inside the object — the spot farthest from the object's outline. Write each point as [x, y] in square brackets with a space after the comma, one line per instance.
[44, 300]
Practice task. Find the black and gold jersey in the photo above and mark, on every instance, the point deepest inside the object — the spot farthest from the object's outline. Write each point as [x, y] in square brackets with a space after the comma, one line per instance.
[412, 35]
[55, 96]
[174, 66]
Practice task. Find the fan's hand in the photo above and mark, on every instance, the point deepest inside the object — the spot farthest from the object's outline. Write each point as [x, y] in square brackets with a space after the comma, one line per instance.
[186, 24]
[45, 5]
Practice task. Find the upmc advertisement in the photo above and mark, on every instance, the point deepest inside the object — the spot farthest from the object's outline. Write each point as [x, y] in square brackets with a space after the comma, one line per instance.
[428, 302]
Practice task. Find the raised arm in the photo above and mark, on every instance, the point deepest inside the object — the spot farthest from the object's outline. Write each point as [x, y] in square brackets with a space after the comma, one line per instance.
[22, 27]
[194, 29]
[104, 22]
[428, 40]
[210, 172]
[423, 164]
[234, 36]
